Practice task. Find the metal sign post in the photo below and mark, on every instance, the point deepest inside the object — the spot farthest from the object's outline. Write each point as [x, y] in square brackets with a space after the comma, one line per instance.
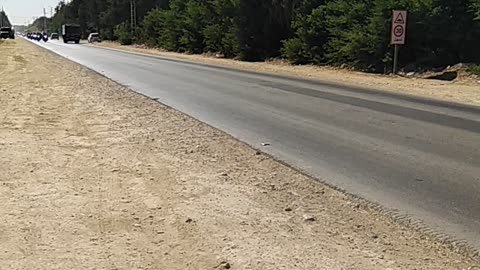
[395, 60]
[399, 26]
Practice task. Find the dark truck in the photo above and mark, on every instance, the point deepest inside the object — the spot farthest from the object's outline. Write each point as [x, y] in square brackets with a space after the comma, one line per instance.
[71, 32]
[7, 32]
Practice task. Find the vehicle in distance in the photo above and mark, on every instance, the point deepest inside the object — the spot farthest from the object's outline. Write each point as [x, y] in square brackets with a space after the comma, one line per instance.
[94, 37]
[54, 36]
[7, 32]
[71, 32]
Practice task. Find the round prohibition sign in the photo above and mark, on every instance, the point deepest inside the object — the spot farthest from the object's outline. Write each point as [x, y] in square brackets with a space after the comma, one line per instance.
[398, 31]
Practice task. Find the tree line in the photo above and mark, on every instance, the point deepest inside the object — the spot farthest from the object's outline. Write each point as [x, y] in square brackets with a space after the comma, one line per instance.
[323, 32]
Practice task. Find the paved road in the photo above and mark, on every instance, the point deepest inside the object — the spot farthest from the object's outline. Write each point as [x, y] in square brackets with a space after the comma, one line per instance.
[418, 156]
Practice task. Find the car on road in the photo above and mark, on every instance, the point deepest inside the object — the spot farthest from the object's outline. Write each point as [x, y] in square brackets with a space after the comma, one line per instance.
[54, 36]
[7, 32]
[94, 37]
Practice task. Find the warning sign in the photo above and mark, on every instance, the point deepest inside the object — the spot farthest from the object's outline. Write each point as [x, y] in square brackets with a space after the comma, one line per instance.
[399, 26]
[400, 18]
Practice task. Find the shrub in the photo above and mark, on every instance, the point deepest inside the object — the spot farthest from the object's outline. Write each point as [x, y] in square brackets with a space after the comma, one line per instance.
[122, 34]
[475, 70]
[296, 51]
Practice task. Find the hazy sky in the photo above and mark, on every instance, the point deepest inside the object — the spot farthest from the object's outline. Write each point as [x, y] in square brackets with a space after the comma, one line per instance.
[23, 11]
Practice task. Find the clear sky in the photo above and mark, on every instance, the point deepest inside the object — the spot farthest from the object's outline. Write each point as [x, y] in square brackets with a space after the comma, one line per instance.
[23, 11]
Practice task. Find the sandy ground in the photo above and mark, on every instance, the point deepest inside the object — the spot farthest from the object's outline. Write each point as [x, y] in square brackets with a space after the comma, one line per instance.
[94, 176]
[464, 90]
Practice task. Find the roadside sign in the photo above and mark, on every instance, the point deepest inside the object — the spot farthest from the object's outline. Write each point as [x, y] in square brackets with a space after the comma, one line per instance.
[399, 31]
[399, 27]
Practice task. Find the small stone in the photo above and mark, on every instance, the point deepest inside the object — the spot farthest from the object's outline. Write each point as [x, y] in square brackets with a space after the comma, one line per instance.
[136, 225]
[258, 153]
[224, 174]
[309, 218]
[375, 236]
[223, 265]
[288, 209]
[189, 220]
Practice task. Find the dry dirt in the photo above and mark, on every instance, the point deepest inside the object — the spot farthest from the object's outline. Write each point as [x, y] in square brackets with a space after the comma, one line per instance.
[464, 90]
[94, 176]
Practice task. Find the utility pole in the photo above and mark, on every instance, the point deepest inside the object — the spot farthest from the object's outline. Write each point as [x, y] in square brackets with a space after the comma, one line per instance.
[133, 16]
[44, 21]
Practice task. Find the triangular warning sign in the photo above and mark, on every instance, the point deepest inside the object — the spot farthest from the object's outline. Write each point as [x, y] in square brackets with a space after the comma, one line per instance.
[400, 19]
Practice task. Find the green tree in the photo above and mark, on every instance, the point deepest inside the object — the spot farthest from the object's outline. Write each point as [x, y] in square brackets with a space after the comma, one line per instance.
[194, 23]
[221, 30]
[310, 36]
[122, 34]
[335, 32]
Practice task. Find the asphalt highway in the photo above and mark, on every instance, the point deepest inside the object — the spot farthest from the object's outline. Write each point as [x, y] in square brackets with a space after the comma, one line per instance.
[417, 156]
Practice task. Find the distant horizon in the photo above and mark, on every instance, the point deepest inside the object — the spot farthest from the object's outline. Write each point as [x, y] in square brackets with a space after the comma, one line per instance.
[23, 12]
